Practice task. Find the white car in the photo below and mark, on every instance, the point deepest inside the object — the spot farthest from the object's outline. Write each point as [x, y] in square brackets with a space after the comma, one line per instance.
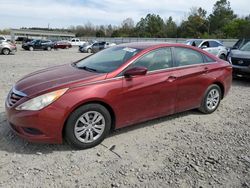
[3, 39]
[214, 47]
[76, 42]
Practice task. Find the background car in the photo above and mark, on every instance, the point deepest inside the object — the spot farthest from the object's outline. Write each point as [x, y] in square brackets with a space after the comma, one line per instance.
[2, 38]
[240, 43]
[240, 60]
[101, 45]
[76, 42]
[115, 88]
[38, 45]
[87, 47]
[62, 44]
[214, 47]
[6, 48]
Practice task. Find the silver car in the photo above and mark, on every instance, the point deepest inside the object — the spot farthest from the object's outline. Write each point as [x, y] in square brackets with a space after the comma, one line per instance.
[214, 47]
[6, 48]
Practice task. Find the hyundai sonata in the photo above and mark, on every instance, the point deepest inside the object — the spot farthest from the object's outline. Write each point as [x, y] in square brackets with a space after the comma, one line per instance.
[117, 87]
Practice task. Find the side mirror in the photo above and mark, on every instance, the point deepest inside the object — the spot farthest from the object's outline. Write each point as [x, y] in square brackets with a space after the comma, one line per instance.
[203, 47]
[135, 71]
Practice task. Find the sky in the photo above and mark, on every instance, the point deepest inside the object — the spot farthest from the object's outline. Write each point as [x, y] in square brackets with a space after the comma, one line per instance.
[65, 13]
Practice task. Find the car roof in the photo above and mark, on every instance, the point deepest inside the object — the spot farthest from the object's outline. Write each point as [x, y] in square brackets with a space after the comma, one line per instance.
[147, 45]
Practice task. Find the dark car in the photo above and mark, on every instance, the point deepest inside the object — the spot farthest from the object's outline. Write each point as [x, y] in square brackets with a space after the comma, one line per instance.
[240, 43]
[96, 47]
[38, 45]
[62, 44]
[240, 59]
[115, 88]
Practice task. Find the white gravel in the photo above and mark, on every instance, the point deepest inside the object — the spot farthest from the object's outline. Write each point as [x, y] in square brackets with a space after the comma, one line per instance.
[184, 150]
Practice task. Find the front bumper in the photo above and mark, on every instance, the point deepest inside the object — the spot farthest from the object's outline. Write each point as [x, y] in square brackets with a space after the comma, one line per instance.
[243, 71]
[37, 126]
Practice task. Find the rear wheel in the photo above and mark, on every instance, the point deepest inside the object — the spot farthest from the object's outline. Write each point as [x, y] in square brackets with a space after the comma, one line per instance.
[48, 48]
[87, 126]
[6, 51]
[211, 99]
[223, 56]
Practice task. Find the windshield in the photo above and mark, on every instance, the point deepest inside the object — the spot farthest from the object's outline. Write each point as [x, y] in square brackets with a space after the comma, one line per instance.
[107, 60]
[245, 47]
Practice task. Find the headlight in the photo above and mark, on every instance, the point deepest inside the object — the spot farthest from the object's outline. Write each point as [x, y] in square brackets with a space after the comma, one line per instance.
[41, 101]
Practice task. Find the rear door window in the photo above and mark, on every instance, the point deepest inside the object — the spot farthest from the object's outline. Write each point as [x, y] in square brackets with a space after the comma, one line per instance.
[186, 57]
[214, 44]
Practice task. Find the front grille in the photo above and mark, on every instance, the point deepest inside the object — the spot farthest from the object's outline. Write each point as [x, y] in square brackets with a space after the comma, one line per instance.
[14, 97]
[240, 61]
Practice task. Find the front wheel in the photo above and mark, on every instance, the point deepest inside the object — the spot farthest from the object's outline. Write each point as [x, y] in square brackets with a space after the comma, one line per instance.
[31, 48]
[48, 48]
[211, 99]
[6, 51]
[87, 126]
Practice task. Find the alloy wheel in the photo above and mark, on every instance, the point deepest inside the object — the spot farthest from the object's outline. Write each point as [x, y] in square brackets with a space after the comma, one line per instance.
[89, 127]
[213, 99]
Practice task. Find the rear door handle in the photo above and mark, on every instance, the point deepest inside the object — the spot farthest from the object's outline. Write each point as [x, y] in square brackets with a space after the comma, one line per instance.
[171, 78]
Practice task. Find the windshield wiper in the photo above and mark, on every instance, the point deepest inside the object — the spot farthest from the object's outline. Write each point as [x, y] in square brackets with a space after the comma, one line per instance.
[88, 69]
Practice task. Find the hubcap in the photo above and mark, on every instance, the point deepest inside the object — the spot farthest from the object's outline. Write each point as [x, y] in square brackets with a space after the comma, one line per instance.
[213, 99]
[89, 127]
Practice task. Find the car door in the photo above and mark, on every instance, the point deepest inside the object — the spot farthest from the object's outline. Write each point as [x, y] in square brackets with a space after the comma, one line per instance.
[37, 44]
[151, 95]
[191, 78]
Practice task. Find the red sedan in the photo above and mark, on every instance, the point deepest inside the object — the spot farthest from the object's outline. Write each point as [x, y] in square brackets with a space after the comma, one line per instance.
[62, 45]
[114, 88]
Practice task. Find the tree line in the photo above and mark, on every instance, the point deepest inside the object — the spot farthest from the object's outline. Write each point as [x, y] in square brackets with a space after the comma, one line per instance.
[221, 23]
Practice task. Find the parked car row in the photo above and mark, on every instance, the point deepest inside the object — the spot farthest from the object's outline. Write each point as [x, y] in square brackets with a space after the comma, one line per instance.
[238, 55]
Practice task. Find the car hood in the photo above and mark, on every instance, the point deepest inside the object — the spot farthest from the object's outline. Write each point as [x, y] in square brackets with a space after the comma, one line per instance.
[240, 54]
[55, 77]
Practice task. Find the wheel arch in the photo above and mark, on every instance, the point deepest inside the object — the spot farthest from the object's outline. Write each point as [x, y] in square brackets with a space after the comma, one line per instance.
[106, 105]
[5, 49]
[221, 87]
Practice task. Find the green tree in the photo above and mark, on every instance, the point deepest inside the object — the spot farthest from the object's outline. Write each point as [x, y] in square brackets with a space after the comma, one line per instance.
[171, 28]
[151, 26]
[222, 15]
[195, 25]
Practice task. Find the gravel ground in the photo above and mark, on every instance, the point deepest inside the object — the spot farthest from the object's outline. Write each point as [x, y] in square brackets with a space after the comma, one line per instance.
[184, 150]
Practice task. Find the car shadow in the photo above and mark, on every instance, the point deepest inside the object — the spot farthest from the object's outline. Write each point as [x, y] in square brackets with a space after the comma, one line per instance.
[11, 143]
[241, 82]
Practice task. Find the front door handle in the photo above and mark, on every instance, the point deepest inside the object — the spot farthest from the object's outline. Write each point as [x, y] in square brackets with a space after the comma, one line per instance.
[171, 78]
[206, 70]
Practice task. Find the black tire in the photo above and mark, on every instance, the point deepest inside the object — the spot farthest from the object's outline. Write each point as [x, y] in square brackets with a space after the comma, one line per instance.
[69, 133]
[223, 57]
[49, 48]
[31, 48]
[204, 104]
[5, 51]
